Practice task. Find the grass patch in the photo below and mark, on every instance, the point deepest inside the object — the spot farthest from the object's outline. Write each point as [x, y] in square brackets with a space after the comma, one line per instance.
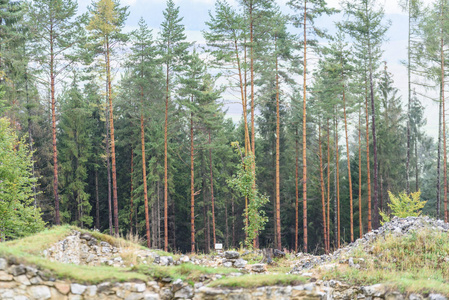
[414, 263]
[250, 281]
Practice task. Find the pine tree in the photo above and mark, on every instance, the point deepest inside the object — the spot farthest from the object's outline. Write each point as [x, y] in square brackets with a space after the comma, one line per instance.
[55, 32]
[173, 50]
[106, 21]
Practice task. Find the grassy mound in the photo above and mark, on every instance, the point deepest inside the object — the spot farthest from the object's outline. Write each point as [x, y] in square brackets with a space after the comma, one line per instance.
[29, 251]
[417, 262]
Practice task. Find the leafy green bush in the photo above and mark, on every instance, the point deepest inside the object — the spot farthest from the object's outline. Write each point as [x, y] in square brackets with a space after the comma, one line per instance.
[18, 216]
[403, 206]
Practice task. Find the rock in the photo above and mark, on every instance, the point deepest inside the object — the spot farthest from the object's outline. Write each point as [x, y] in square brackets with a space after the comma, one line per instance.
[227, 264]
[157, 259]
[3, 264]
[77, 289]
[415, 297]
[375, 290]
[91, 291]
[39, 292]
[22, 279]
[86, 236]
[5, 276]
[231, 254]
[105, 249]
[134, 296]
[177, 285]
[184, 259]
[151, 296]
[139, 287]
[18, 270]
[63, 288]
[278, 253]
[90, 258]
[437, 297]
[259, 268]
[170, 260]
[104, 287]
[164, 261]
[185, 293]
[240, 263]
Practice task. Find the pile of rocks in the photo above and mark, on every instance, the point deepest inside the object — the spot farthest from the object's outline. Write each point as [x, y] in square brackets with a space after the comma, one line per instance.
[83, 249]
[397, 226]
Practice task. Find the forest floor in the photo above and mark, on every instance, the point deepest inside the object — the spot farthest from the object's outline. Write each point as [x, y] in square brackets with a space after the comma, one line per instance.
[411, 261]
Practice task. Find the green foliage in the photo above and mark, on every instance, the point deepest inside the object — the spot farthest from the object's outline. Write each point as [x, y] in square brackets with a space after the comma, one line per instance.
[404, 206]
[18, 216]
[243, 182]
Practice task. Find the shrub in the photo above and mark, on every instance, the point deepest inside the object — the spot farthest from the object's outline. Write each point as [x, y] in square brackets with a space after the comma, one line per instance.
[404, 206]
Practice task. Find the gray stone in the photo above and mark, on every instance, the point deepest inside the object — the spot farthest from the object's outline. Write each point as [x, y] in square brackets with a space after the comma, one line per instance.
[259, 268]
[77, 289]
[139, 287]
[93, 242]
[185, 293]
[375, 290]
[22, 279]
[86, 236]
[414, 297]
[240, 263]
[177, 285]
[231, 254]
[227, 264]
[91, 290]
[105, 249]
[18, 270]
[5, 276]
[105, 286]
[437, 297]
[151, 296]
[134, 296]
[90, 258]
[184, 259]
[278, 253]
[157, 259]
[3, 264]
[39, 292]
[164, 261]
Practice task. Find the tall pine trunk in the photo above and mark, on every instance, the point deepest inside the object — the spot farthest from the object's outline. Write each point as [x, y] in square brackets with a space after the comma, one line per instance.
[111, 124]
[444, 119]
[97, 202]
[144, 171]
[278, 192]
[407, 165]
[351, 210]
[212, 193]
[323, 203]
[131, 193]
[108, 163]
[368, 172]
[439, 161]
[192, 188]
[53, 127]
[360, 175]
[337, 168]
[304, 137]
[328, 186]
[296, 190]
[166, 161]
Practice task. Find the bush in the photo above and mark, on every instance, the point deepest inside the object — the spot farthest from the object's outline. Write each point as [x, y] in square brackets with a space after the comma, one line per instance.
[403, 206]
[18, 216]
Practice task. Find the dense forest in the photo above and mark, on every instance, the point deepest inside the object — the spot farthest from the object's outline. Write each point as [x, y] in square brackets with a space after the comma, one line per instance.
[129, 132]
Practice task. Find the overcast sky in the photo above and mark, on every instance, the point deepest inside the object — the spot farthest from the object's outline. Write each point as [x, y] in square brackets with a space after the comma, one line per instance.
[195, 14]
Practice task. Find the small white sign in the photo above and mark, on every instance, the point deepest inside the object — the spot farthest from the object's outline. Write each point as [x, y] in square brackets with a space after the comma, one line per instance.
[218, 246]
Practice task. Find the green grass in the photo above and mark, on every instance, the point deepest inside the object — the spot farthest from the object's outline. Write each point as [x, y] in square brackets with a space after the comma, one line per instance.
[250, 281]
[411, 263]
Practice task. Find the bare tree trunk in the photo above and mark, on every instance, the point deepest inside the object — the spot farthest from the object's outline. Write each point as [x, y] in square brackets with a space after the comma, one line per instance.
[337, 168]
[53, 127]
[322, 189]
[444, 121]
[296, 191]
[97, 202]
[439, 161]
[351, 208]
[304, 136]
[192, 188]
[131, 193]
[278, 192]
[144, 171]
[111, 124]
[328, 186]
[212, 192]
[360, 176]
[407, 165]
[368, 172]
[166, 161]
[109, 170]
